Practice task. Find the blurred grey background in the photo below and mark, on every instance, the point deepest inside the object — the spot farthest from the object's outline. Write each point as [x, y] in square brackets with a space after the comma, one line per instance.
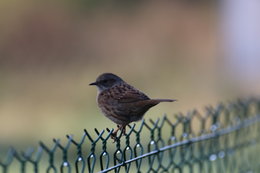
[199, 52]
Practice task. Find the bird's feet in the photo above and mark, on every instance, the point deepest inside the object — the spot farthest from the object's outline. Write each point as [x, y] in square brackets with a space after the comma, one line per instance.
[114, 134]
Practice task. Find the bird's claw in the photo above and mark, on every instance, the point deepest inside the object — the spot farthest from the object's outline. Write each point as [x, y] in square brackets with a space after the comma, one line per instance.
[114, 134]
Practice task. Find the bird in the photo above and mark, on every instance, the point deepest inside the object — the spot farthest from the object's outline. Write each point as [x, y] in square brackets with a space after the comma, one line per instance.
[121, 102]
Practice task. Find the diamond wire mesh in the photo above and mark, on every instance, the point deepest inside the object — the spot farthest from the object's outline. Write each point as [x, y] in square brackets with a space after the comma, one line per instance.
[224, 139]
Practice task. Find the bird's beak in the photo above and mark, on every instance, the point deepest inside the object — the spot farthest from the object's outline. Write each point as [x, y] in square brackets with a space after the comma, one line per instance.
[94, 83]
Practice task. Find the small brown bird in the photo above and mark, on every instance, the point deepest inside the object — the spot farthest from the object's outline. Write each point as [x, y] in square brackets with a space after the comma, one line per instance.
[120, 102]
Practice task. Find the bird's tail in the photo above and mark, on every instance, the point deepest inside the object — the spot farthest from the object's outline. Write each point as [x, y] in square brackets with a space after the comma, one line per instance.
[153, 102]
[165, 100]
[156, 101]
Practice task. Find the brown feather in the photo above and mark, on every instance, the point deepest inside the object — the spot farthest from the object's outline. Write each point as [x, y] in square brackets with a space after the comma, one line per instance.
[124, 104]
[120, 102]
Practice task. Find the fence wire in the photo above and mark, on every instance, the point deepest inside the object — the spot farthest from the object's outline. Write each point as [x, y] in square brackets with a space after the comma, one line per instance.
[222, 139]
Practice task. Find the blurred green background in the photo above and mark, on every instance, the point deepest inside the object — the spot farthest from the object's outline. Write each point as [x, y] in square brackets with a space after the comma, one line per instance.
[51, 50]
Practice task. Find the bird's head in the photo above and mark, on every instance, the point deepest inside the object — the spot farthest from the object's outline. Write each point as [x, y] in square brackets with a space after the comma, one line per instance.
[106, 81]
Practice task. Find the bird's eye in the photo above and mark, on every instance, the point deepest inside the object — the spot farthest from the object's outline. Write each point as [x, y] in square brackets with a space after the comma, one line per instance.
[105, 81]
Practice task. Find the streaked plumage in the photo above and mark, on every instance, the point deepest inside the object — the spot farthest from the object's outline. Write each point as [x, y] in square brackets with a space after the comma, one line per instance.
[120, 102]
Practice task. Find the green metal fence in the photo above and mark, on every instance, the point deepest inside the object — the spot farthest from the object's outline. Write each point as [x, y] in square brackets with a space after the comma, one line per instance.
[222, 139]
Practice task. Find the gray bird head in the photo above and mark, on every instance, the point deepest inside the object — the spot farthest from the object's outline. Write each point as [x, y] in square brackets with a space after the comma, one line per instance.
[106, 81]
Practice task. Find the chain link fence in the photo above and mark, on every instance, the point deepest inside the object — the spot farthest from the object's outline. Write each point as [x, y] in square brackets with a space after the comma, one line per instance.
[224, 139]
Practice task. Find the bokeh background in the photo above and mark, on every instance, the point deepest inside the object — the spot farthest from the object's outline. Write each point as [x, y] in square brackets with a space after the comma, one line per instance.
[51, 50]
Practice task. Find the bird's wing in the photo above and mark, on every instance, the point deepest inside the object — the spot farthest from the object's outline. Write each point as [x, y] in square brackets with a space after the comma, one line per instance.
[125, 102]
[128, 94]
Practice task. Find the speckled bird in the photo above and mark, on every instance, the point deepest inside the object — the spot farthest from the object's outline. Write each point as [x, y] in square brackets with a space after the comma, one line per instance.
[121, 102]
